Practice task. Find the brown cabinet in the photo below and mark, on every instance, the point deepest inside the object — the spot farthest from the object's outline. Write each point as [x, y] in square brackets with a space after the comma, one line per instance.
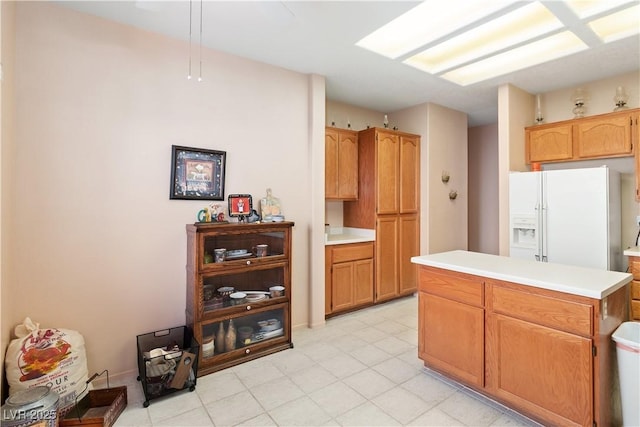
[634, 291]
[389, 203]
[451, 325]
[601, 136]
[546, 143]
[341, 164]
[348, 276]
[544, 353]
[262, 322]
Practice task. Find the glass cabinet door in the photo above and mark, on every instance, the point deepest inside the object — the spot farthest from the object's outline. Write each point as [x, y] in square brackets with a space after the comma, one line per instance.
[243, 332]
[263, 284]
[242, 247]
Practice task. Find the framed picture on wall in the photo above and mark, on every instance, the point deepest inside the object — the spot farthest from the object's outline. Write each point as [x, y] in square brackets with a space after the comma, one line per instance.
[197, 173]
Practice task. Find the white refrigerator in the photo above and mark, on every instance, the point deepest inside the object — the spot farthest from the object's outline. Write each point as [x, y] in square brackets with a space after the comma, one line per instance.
[569, 216]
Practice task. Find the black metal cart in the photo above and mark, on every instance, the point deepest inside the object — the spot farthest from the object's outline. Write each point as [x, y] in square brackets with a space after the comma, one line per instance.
[167, 362]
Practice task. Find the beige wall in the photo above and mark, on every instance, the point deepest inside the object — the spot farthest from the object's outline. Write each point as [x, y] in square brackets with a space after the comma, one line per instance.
[96, 244]
[483, 189]
[7, 187]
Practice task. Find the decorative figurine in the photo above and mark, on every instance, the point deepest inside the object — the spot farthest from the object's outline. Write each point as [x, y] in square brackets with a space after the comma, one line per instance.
[270, 206]
[204, 215]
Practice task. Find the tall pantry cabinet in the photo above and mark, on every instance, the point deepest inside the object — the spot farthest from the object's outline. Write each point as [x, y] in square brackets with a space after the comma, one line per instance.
[389, 203]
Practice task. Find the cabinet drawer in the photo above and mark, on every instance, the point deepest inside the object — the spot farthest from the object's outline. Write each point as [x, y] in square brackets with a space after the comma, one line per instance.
[457, 287]
[634, 267]
[351, 252]
[635, 310]
[561, 314]
[635, 289]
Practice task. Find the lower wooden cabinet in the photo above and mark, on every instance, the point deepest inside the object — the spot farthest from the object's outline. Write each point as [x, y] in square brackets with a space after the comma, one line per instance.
[544, 353]
[634, 291]
[541, 370]
[348, 276]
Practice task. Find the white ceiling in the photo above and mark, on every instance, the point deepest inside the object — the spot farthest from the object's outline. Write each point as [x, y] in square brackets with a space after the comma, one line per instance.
[319, 37]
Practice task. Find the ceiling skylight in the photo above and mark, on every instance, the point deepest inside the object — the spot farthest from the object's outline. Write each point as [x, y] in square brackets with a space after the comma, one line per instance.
[424, 24]
[544, 50]
[521, 25]
[482, 31]
[618, 25]
[588, 8]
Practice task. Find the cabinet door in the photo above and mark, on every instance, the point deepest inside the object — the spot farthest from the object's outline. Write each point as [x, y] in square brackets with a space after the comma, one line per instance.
[604, 137]
[409, 246]
[342, 281]
[387, 169]
[541, 370]
[549, 143]
[331, 163]
[386, 257]
[451, 338]
[348, 166]
[409, 174]
[363, 281]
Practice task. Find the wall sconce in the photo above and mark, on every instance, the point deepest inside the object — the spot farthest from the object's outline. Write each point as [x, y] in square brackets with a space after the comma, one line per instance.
[579, 99]
[453, 194]
[620, 99]
[445, 176]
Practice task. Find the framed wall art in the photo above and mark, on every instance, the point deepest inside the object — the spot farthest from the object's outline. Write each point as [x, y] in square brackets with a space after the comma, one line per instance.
[197, 173]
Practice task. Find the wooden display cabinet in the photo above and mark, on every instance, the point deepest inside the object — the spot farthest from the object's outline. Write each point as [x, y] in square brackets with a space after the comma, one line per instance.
[209, 308]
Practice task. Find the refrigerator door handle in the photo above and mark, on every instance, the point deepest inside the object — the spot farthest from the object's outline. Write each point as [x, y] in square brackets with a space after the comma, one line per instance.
[543, 234]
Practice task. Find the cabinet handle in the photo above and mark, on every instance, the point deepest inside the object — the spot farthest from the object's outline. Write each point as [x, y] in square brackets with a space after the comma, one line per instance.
[248, 307]
[248, 262]
[247, 351]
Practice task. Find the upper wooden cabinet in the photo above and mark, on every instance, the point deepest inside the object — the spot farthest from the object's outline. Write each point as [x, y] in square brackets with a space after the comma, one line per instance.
[341, 164]
[602, 136]
[548, 143]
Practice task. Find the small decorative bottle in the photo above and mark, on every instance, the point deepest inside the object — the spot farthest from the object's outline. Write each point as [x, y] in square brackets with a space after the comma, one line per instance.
[220, 347]
[230, 338]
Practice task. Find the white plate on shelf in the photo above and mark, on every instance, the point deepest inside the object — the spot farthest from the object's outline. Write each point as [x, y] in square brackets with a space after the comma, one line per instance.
[244, 255]
[235, 252]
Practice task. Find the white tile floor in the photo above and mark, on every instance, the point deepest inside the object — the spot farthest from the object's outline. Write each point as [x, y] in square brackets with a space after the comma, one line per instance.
[361, 369]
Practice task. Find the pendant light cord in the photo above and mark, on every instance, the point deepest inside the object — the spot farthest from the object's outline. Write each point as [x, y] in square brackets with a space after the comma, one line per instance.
[200, 76]
[190, 19]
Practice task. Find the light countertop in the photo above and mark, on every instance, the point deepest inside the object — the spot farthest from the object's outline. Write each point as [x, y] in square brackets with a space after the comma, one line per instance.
[633, 251]
[345, 235]
[588, 282]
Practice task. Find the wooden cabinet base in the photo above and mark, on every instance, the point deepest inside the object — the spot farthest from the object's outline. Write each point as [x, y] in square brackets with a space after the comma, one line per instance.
[243, 357]
[546, 354]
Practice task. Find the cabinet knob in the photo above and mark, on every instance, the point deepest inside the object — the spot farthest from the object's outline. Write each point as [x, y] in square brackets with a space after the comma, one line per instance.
[248, 307]
[248, 262]
[247, 351]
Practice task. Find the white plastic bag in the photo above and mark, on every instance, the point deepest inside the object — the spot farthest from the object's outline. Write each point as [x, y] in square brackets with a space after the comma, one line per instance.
[49, 357]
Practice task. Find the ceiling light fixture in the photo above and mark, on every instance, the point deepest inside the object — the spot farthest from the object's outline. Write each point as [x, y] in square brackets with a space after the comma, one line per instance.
[547, 49]
[424, 24]
[618, 25]
[522, 24]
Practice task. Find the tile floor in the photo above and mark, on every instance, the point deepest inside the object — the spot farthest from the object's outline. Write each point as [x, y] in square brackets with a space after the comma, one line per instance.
[361, 369]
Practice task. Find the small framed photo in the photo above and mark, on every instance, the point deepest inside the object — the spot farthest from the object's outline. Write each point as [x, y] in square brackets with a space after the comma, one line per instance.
[240, 205]
[197, 173]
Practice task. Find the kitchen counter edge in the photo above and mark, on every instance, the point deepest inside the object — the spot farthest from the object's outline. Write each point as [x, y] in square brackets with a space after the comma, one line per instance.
[574, 280]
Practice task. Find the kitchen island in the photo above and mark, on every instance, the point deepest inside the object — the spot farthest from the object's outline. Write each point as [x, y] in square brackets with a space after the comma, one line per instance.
[533, 336]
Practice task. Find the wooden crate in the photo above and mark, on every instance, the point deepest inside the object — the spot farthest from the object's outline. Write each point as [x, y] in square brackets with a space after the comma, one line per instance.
[99, 408]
